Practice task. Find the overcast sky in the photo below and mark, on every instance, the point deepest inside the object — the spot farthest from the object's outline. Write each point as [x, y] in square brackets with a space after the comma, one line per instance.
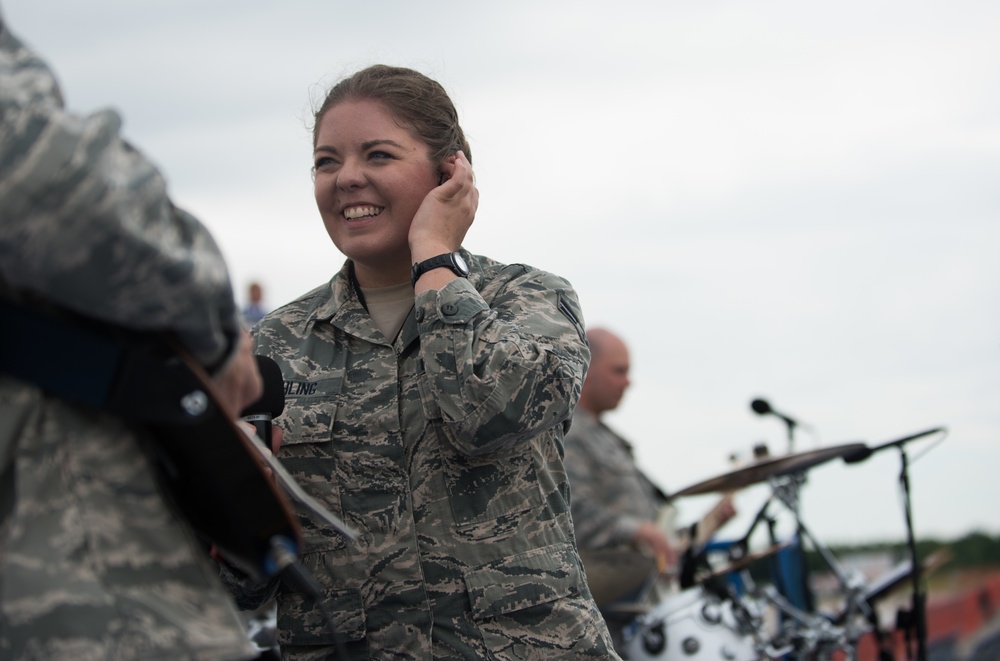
[778, 199]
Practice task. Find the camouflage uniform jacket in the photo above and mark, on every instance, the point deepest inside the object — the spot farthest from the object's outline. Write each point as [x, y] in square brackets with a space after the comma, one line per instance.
[93, 564]
[611, 496]
[443, 448]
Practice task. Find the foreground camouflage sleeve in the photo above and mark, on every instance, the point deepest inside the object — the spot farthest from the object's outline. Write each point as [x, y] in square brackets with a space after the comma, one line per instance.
[505, 364]
[86, 222]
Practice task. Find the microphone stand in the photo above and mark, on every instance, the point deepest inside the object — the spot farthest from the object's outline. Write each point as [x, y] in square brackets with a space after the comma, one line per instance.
[791, 433]
[916, 619]
[918, 613]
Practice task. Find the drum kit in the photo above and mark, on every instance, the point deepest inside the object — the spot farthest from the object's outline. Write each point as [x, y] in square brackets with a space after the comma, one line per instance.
[721, 612]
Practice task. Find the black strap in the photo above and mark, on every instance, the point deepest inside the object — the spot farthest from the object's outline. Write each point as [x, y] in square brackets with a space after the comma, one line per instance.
[72, 364]
[131, 375]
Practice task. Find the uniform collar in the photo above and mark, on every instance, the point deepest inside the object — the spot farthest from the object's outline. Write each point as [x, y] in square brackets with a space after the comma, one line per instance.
[342, 305]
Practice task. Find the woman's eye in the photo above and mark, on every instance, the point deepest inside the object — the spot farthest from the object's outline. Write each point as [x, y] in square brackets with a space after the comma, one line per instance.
[323, 163]
[379, 155]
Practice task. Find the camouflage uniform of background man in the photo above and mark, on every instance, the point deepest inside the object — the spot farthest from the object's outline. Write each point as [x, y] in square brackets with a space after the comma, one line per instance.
[624, 522]
[93, 564]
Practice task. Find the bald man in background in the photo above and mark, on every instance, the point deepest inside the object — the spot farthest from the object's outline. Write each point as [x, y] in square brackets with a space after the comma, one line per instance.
[623, 521]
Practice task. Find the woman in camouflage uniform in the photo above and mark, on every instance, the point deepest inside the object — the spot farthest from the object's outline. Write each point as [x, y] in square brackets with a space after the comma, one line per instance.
[427, 393]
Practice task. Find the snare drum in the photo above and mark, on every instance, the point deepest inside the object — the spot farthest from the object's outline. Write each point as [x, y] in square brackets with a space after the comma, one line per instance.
[694, 626]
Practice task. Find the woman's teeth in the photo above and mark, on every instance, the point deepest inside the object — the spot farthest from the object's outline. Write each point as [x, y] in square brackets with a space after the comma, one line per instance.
[353, 213]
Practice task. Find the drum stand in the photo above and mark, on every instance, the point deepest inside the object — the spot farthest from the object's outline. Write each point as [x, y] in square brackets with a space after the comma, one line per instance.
[803, 632]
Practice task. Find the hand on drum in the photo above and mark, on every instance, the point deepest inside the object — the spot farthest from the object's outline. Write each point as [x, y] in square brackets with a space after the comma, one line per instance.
[649, 535]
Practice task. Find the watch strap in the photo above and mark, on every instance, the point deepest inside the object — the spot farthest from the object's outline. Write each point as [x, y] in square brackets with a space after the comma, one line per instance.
[447, 260]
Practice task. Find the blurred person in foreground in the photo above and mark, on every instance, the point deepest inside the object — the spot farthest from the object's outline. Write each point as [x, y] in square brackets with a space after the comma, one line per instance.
[428, 391]
[625, 524]
[95, 563]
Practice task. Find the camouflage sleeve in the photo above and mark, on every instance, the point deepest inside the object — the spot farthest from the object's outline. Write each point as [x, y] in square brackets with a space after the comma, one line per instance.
[597, 519]
[505, 370]
[87, 223]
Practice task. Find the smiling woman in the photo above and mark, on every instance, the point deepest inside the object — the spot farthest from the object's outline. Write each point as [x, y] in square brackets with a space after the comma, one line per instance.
[440, 386]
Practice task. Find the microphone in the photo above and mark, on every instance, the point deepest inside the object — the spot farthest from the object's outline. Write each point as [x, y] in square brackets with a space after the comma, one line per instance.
[260, 414]
[761, 407]
[271, 403]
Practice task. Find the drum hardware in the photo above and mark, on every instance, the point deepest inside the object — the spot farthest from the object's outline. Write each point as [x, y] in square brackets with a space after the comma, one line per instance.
[896, 577]
[807, 635]
[654, 638]
[742, 562]
[880, 588]
[821, 635]
[801, 631]
[917, 622]
[710, 620]
[695, 624]
[806, 632]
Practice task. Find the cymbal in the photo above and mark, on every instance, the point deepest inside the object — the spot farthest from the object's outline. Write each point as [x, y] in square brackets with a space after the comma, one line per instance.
[771, 467]
[742, 563]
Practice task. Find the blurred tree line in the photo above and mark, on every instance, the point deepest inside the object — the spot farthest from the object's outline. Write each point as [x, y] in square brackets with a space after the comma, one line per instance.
[975, 550]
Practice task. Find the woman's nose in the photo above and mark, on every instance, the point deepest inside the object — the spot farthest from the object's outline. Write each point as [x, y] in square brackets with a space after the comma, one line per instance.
[350, 175]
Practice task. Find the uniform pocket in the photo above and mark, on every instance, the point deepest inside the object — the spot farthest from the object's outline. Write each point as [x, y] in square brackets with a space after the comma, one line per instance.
[495, 489]
[524, 580]
[310, 410]
[535, 601]
[308, 453]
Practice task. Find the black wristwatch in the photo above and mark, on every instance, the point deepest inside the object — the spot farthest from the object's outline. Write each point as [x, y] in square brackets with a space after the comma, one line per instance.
[450, 260]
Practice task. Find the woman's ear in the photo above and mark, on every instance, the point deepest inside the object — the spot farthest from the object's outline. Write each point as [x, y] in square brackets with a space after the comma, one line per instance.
[444, 177]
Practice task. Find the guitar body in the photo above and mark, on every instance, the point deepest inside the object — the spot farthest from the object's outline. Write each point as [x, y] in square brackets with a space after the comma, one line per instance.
[217, 478]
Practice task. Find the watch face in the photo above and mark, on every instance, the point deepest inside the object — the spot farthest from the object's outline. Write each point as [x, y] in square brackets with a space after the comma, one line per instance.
[460, 263]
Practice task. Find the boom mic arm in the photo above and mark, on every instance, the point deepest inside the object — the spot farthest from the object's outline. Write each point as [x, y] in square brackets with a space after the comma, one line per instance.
[863, 454]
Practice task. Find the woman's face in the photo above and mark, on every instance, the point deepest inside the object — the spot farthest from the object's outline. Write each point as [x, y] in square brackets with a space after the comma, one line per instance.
[371, 175]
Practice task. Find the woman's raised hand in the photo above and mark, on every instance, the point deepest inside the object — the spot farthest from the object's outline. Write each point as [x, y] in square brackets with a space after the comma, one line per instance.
[446, 214]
